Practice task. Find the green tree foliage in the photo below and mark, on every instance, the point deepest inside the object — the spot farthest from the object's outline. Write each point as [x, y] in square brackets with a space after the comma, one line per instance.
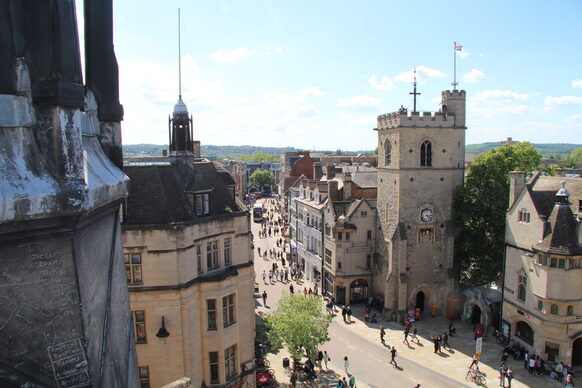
[480, 207]
[299, 324]
[261, 178]
[574, 159]
[260, 157]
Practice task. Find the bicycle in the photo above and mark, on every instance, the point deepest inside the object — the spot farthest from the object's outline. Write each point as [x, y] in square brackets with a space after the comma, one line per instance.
[475, 376]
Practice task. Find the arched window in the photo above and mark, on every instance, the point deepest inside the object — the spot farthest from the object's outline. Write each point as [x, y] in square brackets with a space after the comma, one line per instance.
[554, 309]
[570, 310]
[387, 152]
[522, 282]
[524, 332]
[426, 154]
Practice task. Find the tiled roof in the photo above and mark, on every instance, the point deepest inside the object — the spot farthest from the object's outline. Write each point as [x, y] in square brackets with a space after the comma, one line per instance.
[561, 235]
[543, 192]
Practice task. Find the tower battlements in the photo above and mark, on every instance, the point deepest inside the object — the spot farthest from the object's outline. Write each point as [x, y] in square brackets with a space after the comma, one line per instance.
[421, 119]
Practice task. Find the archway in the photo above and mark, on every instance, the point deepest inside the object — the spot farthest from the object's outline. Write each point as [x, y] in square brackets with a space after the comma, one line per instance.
[420, 300]
[476, 315]
[358, 291]
[524, 332]
[577, 352]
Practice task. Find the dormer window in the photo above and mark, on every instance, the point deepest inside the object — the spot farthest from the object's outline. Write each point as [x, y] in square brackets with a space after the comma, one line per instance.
[523, 216]
[202, 204]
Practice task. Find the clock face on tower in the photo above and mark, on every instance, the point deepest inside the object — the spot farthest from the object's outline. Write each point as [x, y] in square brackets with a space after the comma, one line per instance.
[426, 215]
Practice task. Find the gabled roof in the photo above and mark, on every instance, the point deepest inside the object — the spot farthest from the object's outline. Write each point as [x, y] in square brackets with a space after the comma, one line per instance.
[561, 237]
[365, 179]
[543, 190]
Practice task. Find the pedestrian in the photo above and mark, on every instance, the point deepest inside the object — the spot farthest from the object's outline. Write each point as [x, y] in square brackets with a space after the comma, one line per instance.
[474, 362]
[294, 379]
[349, 314]
[509, 376]
[326, 359]
[382, 334]
[340, 383]
[265, 298]
[270, 276]
[393, 356]
[532, 364]
[344, 313]
[439, 341]
[286, 275]
[436, 344]
[291, 289]
[405, 337]
[452, 329]
[446, 340]
[504, 358]
[319, 358]
[352, 381]
[304, 291]
[345, 382]
[346, 364]
[265, 277]
[526, 360]
[502, 375]
[413, 336]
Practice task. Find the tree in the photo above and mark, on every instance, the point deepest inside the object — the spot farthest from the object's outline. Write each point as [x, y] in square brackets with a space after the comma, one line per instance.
[480, 207]
[261, 156]
[299, 324]
[574, 158]
[261, 178]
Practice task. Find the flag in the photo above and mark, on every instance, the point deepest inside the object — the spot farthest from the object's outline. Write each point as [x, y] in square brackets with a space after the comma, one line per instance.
[458, 47]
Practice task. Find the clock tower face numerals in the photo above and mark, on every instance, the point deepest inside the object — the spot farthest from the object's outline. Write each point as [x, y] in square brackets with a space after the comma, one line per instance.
[426, 215]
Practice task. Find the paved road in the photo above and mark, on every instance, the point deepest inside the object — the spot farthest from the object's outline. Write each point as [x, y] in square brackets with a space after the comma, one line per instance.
[368, 361]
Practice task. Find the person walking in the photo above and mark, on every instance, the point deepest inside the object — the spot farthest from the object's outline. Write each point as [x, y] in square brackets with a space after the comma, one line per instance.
[265, 277]
[352, 382]
[270, 276]
[326, 359]
[436, 344]
[319, 359]
[291, 290]
[294, 379]
[264, 298]
[344, 313]
[382, 334]
[446, 340]
[452, 329]
[509, 376]
[346, 364]
[349, 314]
[413, 337]
[502, 375]
[393, 356]
[406, 337]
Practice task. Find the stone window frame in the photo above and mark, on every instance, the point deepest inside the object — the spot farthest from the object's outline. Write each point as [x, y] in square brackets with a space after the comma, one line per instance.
[570, 310]
[199, 262]
[211, 315]
[523, 216]
[426, 154]
[554, 309]
[139, 326]
[541, 306]
[144, 376]
[133, 270]
[212, 255]
[227, 250]
[230, 366]
[228, 310]
[521, 287]
[214, 368]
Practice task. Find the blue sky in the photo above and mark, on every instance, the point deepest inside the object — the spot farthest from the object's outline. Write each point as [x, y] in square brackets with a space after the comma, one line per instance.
[315, 74]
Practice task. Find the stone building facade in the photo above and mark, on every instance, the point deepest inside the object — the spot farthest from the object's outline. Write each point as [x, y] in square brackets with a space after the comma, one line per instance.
[542, 295]
[64, 306]
[187, 251]
[421, 162]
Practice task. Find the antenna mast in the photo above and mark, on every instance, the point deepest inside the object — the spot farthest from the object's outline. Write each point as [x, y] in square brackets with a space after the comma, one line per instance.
[414, 93]
[179, 59]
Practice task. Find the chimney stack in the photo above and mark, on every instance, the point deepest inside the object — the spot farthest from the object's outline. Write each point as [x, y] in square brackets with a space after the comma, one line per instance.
[332, 190]
[516, 185]
[317, 171]
[196, 148]
[347, 186]
[330, 169]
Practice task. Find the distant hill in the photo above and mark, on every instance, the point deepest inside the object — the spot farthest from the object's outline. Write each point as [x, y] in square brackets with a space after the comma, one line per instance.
[236, 152]
[546, 149]
[213, 152]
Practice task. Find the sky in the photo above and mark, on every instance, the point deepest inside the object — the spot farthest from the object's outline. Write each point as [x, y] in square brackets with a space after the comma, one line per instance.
[315, 74]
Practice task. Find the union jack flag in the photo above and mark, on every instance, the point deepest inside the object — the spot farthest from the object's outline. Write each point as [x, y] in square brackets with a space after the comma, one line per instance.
[458, 47]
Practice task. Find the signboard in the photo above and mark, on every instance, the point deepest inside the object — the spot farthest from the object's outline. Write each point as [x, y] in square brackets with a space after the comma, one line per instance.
[478, 345]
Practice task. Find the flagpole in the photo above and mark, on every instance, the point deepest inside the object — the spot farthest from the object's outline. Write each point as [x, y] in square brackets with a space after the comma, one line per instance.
[454, 65]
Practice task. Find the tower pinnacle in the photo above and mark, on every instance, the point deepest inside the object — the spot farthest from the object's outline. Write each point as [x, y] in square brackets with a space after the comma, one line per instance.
[414, 93]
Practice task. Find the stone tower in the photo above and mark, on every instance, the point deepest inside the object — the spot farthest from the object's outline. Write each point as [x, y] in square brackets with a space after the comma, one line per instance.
[64, 306]
[420, 162]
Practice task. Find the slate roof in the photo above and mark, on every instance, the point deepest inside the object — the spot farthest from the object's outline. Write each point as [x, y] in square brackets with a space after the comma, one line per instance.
[543, 192]
[158, 194]
[561, 235]
[366, 180]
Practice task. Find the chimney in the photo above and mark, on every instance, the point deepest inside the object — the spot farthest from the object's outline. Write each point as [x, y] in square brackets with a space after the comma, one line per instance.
[347, 186]
[196, 148]
[317, 171]
[516, 185]
[332, 190]
[330, 168]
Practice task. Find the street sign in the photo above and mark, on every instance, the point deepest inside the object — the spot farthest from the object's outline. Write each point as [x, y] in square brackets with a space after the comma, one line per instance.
[478, 345]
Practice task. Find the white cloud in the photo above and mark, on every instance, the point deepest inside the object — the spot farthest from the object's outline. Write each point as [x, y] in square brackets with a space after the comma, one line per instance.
[473, 76]
[384, 84]
[464, 54]
[233, 55]
[577, 83]
[552, 102]
[423, 74]
[306, 111]
[492, 103]
[359, 103]
[277, 101]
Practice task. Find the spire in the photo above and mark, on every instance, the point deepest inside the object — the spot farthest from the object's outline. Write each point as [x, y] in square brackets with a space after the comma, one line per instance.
[414, 93]
[180, 124]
